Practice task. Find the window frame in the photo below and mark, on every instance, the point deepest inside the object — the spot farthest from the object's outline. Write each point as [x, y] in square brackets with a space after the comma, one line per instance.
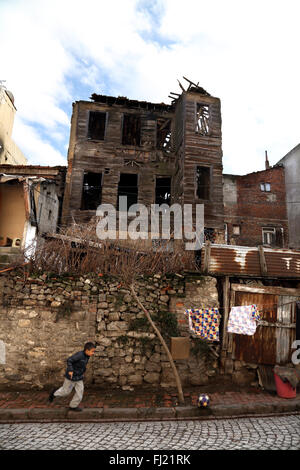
[137, 115]
[197, 132]
[85, 172]
[88, 125]
[263, 187]
[268, 230]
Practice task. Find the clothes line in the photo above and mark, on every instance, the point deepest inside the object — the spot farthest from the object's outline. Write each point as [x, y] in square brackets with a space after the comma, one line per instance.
[259, 306]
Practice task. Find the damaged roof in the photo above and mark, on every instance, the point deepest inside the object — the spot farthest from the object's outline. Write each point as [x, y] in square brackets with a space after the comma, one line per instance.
[124, 101]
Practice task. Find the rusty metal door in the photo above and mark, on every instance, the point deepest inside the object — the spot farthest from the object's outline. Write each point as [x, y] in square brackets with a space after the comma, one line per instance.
[271, 343]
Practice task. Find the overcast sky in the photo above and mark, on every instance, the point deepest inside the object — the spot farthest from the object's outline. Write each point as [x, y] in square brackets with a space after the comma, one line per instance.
[54, 52]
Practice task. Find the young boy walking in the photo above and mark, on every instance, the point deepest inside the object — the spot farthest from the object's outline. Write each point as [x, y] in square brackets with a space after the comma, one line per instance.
[76, 366]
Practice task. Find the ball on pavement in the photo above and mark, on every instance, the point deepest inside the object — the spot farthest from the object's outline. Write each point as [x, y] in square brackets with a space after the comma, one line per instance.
[203, 400]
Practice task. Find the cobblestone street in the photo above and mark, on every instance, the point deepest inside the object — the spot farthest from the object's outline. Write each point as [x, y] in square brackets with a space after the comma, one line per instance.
[282, 433]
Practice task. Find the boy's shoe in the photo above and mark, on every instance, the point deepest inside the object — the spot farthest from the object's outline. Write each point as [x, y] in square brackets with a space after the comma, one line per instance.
[75, 409]
[51, 396]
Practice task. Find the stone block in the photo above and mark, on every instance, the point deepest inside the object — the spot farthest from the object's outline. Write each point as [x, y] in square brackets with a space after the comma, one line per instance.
[117, 325]
[152, 378]
[24, 323]
[102, 305]
[155, 357]
[85, 414]
[103, 341]
[126, 369]
[103, 372]
[47, 413]
[33, 314]
[156, 413]
[114, 316]
[135, 379]
[121, 413]
[29, 302]
[152, 367]
[101, 326]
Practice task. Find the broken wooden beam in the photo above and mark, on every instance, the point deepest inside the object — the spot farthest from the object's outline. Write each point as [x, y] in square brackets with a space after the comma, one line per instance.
[181, 86]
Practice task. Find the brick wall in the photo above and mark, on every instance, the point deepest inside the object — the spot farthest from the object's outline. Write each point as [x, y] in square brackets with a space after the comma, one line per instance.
[253, 209]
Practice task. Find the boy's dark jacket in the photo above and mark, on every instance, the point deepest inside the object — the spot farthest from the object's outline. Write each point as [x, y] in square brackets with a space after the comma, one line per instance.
[77, 364]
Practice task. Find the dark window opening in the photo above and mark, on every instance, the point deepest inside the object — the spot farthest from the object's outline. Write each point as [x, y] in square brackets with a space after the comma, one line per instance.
[273, 236]
[128, 186]
[279, 237]
[203, 182]
[209, 234]
[91, 191]
[202, 119]
[163, 191]
[163, 134]
[97, 123]
[131, 130]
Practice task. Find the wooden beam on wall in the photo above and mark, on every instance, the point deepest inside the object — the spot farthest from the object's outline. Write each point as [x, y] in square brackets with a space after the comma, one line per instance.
[226, 293]
[262, 261]
[265, 290]
[230, 335]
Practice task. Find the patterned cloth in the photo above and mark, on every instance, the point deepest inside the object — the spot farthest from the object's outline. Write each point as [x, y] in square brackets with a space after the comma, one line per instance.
[242, 320]
[204, 322]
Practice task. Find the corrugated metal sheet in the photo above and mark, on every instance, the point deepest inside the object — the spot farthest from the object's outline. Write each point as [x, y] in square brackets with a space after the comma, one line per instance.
[243, 260]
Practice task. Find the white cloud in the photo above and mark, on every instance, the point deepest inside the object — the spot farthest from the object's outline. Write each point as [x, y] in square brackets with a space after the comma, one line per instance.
[243, 52]
[40, 151]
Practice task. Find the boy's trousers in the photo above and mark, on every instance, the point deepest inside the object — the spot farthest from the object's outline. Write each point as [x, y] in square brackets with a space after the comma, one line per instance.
[67, 388]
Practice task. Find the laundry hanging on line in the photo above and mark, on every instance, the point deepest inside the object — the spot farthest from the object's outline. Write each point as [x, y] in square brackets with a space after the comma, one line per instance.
[242, 320]
[204, 322]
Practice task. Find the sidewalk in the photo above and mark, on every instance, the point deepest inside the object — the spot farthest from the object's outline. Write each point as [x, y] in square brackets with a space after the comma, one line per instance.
[145, 404]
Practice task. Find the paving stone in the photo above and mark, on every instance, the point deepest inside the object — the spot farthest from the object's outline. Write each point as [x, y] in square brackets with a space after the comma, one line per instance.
[111, 413]
[86, 413]
[46, 413]
[18, 414]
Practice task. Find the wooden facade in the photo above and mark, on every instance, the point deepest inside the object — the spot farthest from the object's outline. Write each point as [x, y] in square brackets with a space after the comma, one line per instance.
[151, 141]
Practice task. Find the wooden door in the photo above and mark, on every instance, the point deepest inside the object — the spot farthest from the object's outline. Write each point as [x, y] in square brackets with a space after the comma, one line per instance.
[261, 347]
[271, 343]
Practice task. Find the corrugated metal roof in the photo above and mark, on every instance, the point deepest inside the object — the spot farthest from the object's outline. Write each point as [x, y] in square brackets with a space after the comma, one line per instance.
[243, 260]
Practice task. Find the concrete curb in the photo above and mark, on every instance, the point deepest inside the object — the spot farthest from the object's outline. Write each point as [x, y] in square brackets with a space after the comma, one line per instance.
[10, 415]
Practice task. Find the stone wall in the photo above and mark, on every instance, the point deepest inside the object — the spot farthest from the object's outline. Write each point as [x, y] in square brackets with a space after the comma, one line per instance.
[46, 319]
